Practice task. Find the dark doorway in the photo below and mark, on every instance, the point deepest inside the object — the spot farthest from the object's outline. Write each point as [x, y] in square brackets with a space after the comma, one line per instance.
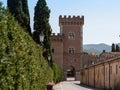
[71, 72]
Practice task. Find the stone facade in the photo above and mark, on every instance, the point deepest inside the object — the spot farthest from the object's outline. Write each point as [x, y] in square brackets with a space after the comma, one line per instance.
[105, 74]
[68, 44]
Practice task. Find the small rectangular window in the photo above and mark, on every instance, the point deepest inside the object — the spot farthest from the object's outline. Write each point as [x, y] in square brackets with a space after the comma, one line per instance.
[52, 50]
[71, 51]
[71, 35]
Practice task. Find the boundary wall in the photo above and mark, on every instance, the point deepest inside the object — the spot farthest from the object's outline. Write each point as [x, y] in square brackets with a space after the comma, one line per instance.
[104, 75]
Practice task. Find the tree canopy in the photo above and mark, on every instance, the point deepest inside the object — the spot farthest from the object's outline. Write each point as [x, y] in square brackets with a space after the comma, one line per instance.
[41, 24]
[115, 48]
[19, 9]
[22, 66]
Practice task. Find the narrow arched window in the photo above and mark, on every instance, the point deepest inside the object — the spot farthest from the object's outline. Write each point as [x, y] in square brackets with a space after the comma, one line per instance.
[71, 50]
[71, 35]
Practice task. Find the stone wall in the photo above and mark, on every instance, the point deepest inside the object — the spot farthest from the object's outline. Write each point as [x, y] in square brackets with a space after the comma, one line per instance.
[105, 75]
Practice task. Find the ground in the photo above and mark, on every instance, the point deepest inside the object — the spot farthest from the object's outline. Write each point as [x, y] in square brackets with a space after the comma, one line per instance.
[70, 84]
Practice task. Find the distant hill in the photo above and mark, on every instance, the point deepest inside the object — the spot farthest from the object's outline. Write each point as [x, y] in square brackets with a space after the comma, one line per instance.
[96, 48]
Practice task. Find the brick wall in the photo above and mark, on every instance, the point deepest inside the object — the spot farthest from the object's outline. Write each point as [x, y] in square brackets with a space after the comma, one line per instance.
[68, 44]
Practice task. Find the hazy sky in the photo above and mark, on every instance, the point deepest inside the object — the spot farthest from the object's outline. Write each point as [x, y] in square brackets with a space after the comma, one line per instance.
[102, 17]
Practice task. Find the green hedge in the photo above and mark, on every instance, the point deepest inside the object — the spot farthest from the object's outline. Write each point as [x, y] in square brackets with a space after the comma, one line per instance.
[58, 74]
[22, 66]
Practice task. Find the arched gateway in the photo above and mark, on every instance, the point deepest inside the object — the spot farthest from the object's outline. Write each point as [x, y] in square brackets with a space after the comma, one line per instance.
[68, 44]
[71, 72]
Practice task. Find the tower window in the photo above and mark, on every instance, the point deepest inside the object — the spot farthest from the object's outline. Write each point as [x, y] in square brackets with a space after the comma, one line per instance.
[71, 51]
[52, 50]
[71, 35]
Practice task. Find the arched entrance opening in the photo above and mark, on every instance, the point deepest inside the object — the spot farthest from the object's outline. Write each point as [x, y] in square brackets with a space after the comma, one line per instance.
[71, 73]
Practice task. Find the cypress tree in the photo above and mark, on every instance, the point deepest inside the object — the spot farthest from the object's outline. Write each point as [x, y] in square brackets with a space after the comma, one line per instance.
[0, 4]
[26, 16]
[117, 48]
[15, 8]
[19, 9]
[41, 24]
[21, 65]
[113, 49]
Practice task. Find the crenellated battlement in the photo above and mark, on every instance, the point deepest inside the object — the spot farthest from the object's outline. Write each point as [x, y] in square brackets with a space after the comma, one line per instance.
[70, 17]
[71, 20]
[57, 37]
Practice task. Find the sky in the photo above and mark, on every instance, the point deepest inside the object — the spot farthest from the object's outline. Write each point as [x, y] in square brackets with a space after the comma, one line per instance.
[102, 18]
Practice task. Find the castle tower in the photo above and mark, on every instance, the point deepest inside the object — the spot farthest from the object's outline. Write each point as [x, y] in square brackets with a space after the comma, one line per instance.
[72, 29]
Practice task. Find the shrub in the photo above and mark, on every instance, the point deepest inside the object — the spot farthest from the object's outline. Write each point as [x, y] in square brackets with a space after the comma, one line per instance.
[22, 66]
[58, 74]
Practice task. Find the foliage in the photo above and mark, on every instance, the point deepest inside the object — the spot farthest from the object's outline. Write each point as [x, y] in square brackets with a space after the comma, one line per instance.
[22, 66]
[19, 9]
[115, 48]
[41, 16]
[41, 24]
[58, 74]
